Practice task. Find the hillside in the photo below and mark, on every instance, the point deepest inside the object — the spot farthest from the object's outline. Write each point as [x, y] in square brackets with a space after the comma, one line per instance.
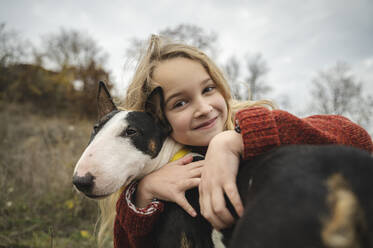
[38, 205]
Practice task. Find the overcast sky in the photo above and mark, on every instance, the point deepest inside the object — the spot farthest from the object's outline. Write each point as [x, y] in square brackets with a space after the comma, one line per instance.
[296, 38]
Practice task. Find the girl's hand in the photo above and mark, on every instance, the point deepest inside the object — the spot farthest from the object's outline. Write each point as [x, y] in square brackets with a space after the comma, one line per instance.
[219, 177]
[169, 183]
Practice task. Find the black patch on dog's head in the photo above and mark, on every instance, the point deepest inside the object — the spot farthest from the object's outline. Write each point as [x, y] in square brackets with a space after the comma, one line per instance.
[97, 127]
[145, 132]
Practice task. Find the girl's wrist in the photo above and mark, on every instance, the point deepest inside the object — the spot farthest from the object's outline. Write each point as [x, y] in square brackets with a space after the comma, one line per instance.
[232, 141]
[143, 196]
[236, 142]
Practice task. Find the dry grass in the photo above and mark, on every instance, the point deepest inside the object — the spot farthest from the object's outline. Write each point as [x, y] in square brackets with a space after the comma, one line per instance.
[38, 206]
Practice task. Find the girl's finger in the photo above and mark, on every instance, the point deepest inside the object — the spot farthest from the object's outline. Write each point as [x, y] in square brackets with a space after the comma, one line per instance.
[185, 160]
[206, 210]
[219, 208]
[196, 164]
[234, 197]
[183, 203]
[211, 217]
[202, 198]
[190, 183]
[196, 172]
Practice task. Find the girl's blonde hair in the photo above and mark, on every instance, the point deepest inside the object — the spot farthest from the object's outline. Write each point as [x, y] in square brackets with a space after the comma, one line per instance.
[159, 50]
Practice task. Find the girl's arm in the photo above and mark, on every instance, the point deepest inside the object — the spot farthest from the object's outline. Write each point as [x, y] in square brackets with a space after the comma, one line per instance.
[219, 177]
[170, 183]
[133, 226]
[262, 130]
[137, 211]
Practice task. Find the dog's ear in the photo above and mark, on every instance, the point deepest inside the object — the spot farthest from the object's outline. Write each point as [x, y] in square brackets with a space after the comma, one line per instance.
[154, 106]
[105, 103]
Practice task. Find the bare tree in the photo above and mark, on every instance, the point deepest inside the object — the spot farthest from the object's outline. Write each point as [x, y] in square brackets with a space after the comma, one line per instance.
[258, 69]
[72, 48]
[12, 47]
[189, 34]
[336, 91]
[79, 61]
[232, 71]
[13, 51]
[253, 86]
[74, 52]
[193, 35]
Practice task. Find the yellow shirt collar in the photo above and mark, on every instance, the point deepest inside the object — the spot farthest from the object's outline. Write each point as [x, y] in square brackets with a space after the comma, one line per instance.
[181, 153]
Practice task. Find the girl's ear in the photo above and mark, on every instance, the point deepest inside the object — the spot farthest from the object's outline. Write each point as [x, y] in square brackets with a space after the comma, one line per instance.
[105, 103]
[154, 106]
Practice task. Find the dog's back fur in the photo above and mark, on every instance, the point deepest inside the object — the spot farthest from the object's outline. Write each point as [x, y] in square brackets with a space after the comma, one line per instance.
[307, 196]
[294, 196]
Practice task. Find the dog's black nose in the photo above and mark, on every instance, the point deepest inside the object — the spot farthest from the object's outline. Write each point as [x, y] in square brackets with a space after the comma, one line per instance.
[85, 183]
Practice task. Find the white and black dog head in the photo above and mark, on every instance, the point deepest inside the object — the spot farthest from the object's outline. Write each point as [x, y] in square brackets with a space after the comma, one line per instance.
[121, 146]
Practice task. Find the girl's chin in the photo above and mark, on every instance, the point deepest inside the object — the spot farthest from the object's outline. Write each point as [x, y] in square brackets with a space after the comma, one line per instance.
[201, 142]
[197, 139]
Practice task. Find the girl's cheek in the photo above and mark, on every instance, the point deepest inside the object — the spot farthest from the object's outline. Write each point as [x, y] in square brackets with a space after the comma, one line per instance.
[180, 122]
[183, 122]
[173, 120]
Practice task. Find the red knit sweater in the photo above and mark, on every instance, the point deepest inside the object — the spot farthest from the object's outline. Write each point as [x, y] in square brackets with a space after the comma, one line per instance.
[262, 130]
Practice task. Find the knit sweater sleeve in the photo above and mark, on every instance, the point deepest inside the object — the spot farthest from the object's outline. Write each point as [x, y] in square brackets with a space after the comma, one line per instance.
[133, 226]
[263, 129]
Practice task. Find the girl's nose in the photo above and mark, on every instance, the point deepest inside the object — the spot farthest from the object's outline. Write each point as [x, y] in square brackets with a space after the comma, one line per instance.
[202, 108]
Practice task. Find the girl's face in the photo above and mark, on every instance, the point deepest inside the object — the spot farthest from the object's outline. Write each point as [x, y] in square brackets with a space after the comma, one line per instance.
[194, 107]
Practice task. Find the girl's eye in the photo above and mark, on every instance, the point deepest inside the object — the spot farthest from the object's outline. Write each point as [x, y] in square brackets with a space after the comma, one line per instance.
[208, 89]
[179, 104]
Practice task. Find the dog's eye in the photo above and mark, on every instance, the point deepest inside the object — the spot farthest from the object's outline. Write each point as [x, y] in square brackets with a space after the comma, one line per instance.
[130, 131]
[96, 127]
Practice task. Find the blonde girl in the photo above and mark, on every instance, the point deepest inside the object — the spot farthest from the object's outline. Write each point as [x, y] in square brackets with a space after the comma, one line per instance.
[203, 116]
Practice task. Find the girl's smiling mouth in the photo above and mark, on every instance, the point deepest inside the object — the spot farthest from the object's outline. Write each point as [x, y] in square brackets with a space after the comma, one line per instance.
[207, 124]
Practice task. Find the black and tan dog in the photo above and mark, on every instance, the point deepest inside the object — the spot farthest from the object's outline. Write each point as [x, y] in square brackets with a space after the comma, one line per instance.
[294, 196]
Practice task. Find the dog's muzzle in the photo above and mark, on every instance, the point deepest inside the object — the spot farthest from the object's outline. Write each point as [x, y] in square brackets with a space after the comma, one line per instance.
[85, 183]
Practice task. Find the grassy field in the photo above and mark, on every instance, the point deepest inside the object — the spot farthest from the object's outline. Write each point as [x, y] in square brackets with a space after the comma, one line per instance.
[38, 205]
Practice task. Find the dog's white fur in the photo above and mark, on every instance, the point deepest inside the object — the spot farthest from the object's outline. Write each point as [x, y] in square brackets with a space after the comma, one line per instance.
[114, 161]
